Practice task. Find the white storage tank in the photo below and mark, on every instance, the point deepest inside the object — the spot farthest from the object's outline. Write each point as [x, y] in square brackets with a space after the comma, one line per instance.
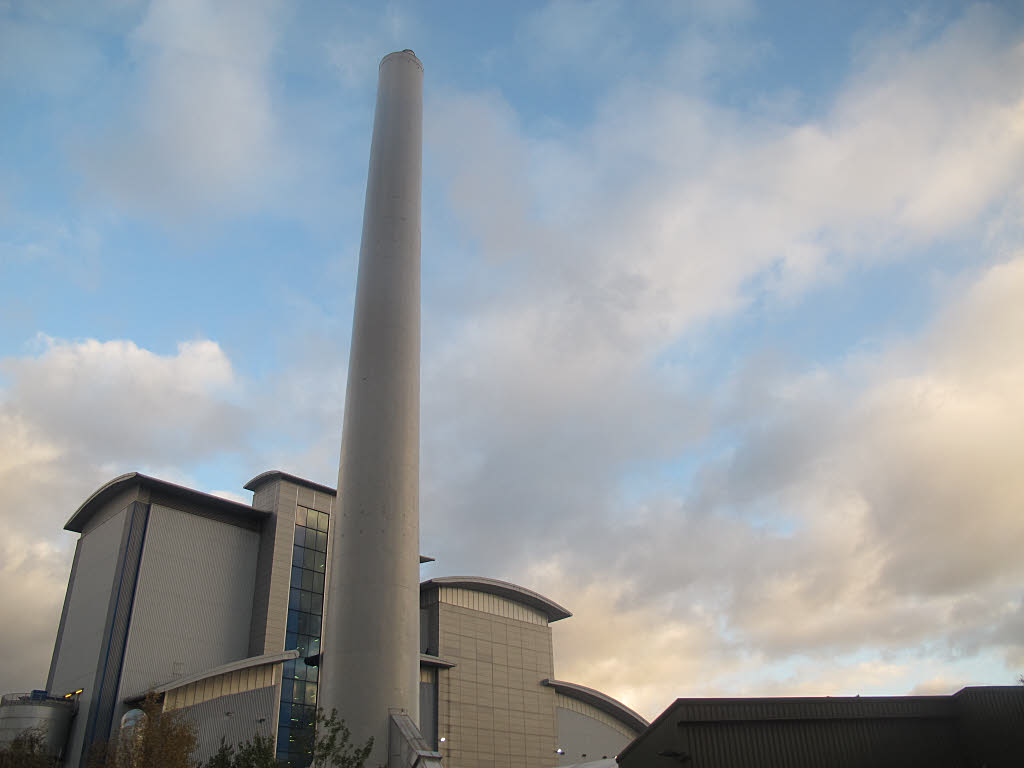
[52, 716]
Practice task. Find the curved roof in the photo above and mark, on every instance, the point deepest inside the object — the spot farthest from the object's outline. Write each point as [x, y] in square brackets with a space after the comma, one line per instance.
[513, 592]
[277, 474]
[601, 701]
[92, 504]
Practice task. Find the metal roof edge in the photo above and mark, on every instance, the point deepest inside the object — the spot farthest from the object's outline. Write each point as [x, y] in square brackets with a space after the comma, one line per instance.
[602, 701]
[76, 523]
[550, 608]
[271, 474]
[232, 666]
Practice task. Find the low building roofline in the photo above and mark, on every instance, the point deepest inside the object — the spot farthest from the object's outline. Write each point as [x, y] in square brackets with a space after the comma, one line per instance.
[601, 701]
[78, 520]
[277, 474]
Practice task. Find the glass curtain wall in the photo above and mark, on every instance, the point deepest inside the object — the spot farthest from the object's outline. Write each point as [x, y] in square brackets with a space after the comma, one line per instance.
[305, 617]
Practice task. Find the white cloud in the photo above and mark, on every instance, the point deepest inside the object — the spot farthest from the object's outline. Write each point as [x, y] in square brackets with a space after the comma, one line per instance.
[72, 416]
[801, 514]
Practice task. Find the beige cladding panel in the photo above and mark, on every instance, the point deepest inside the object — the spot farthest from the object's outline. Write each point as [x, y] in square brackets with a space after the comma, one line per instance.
[238, 681]
[492, 709]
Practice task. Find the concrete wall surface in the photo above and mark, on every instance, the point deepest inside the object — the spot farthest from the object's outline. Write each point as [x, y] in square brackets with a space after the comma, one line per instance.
[492, 709]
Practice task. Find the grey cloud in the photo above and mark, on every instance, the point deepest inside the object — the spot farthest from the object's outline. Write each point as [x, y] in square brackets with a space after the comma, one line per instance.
[834, 519]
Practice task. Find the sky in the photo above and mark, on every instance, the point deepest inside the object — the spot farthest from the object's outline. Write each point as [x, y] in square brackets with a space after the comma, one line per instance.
[723, 311]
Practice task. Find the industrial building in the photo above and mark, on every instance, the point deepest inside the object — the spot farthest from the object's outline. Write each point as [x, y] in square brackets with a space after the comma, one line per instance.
[974, 728]
[217, 606]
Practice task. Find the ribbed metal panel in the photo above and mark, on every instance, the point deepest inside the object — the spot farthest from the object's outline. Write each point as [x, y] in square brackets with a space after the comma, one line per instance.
[194, 601]
[234, 718]
[63, 618]
[812, 743]
[109, 677]
[992, 724]
[83, 638]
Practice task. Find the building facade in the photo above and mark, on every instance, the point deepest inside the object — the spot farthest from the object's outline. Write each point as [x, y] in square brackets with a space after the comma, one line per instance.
[217, 607]
[974, 728]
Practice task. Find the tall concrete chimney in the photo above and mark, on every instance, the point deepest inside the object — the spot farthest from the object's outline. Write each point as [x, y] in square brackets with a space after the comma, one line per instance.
[370, 655]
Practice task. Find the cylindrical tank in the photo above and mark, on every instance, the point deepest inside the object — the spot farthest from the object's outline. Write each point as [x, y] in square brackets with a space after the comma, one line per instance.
[370, 651]
[24, 711]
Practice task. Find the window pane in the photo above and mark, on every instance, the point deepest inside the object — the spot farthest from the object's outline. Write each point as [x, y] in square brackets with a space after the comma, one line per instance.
[309, 559]
[303, 624]
[314, 624]
[290, 641]
[318, 583]
[302, 645]
[296, 575]
[300, 515]
[286, 689]
[305, 602]
[310, 694]
[293, 621]
[309, 581]
[286, 714]
[321, 521]
[321, 560]
[289, 668]
[300, 536]
[316, 605]
[314, 646]
[321, 541]
[295, 599]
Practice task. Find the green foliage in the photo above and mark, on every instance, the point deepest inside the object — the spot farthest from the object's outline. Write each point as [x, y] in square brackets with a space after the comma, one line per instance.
[159, 740]
[333, 747]
[26, 750]
[255, 753]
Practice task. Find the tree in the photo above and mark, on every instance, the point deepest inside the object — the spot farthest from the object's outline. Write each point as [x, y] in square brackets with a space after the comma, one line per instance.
[27, 750]
[258, 752]
[158, 739]
[333, 747]
[329, 745]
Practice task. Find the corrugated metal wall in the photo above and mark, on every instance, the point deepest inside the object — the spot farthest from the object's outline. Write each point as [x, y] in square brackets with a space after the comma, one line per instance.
[992, 724]
[235, 718]
[976, 727]
[117, 634]
[83, 638]
[837, 743]
[194, 599]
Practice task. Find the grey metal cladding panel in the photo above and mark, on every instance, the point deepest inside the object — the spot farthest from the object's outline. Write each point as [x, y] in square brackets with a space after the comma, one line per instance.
[113, 506]
[580, 735]
[247, 709]
[63, 618]
[82, 640]
[261, 587]
[170, 501]
[109, 677]
[194, 599]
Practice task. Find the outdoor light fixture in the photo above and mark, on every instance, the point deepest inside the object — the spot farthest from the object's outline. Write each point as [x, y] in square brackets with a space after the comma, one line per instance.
[443, 739]
[559, 751]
